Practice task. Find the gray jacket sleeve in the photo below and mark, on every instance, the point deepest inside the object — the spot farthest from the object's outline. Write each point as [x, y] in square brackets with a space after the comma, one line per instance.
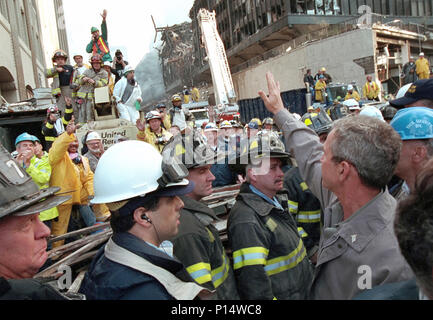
[308, 150]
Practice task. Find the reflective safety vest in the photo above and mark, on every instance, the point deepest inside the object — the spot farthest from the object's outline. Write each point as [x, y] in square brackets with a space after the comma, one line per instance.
[100, 46]
[269, 257]
[40, 171]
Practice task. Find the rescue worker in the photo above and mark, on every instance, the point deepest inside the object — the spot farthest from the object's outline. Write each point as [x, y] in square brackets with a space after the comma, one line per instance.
[422, 67]
[55, 125]
[352, 93]
[23, 237]
[195, 94]
[99, 45]
[111, 77]
[415, 127]
[211, 134]
[409, 71]
[252, 129]
[268, 124]
[153, 133]
[353, 105]
[348, 174]
[127, 93]
[38, 169]
[226, 150]
[198, 245]
[320, 89]
[177, 115]
[371, 90]
[96, 149]
[143, 197]
[269, 257]
[96, 77]
[62, 75]
[418, 94]
[162, 109]
[186, 95]
[72, 173]
[338, 111]
[119, 65]
[372, 111]
[79, 69]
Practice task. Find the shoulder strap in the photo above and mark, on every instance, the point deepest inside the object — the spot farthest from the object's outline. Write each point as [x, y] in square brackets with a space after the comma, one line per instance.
[177, 288]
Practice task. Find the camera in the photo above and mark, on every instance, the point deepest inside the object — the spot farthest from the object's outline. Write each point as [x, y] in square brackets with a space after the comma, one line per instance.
[160, 140]
[119, 58]
[77, 160]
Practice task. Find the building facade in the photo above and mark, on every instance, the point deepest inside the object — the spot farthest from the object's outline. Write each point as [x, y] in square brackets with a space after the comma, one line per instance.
[254, 31]
[23, 56]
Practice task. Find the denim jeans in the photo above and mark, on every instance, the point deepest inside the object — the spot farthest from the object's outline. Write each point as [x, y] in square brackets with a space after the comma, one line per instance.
[87, 215]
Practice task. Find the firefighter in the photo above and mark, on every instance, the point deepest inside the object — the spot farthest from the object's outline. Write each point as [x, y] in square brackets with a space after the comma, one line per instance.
[268, 124]
[62, 75]
[55, 125]
[422, 67]
[22, 234]
[177, 116]
[153, 133]
[269, 257]
[99, 45]
[198, 245]
[95, 77]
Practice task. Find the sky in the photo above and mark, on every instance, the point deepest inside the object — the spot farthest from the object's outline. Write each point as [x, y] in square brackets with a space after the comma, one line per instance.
[130, 26]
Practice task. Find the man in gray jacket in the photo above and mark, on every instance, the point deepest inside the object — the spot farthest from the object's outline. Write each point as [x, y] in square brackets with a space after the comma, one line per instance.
[348, 174]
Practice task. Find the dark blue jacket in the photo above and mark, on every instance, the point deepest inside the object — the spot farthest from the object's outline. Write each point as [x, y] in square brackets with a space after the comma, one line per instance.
[223, 175]
[405, 290]
[108, 280]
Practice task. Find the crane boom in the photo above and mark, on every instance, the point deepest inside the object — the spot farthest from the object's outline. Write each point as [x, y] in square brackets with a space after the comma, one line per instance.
[221, 76]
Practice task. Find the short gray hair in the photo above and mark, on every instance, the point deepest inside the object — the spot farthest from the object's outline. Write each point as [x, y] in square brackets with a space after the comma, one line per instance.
[371, 145]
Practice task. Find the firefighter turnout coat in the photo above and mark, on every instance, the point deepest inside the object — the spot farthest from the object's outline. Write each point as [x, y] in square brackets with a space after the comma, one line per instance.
[269, 258]
[199, 248]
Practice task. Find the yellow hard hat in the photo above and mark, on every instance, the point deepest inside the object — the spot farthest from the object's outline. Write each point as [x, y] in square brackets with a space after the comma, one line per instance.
[323, 70]
[176, 97]
[258, 121]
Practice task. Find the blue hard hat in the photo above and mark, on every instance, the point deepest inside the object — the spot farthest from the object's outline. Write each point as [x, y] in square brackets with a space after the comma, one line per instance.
[25, 137]
[415, 123]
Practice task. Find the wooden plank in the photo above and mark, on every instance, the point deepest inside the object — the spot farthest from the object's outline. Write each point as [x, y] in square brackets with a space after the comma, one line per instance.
[79, 232]
[77, 283]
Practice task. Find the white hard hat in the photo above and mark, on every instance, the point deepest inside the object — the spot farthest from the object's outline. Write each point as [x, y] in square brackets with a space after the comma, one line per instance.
[352, 104]
[107, 64]
[211, 127]
[127, 69]
[93, 136]
[132, 169]
[153, 115]
[371, 111]
[402, 92]
[349, 87]
[421, 54]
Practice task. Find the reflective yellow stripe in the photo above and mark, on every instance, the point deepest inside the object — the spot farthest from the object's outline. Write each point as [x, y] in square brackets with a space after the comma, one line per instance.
[308, 216]
[250, 257]
[302, 233]
[49, 125]
[51, 139]
[304, 186]
[69, 111]
[219, 275]
[64, 121]
[200, 272]
[293, 206]
[280, 264]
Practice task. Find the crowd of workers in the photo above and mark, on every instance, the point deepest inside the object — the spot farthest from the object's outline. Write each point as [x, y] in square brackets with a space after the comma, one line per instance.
[335, 204]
